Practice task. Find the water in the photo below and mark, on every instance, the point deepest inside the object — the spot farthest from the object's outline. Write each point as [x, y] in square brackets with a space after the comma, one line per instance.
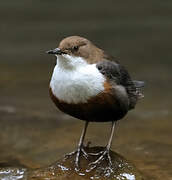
[33, 132]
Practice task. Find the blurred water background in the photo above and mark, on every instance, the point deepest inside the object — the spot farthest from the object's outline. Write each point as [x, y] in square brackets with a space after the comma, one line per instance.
[33, 133]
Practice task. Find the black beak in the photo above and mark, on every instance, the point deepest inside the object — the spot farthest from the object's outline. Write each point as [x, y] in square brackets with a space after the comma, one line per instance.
[54, 51]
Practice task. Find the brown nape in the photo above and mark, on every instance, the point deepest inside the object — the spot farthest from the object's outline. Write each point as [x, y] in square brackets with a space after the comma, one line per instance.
[81, 47]
[102, 108]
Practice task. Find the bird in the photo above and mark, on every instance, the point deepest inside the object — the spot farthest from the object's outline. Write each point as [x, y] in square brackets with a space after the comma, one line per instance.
[92, 86]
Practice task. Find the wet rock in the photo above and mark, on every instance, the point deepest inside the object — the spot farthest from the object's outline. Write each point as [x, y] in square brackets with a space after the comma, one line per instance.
[64, 169]
[13, 173]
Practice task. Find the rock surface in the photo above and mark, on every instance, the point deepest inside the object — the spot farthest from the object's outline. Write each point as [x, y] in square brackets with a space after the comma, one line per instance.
[64, 169]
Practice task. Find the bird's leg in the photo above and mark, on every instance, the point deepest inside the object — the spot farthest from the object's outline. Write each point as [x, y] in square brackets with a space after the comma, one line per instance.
[104, 154]
[80, 148]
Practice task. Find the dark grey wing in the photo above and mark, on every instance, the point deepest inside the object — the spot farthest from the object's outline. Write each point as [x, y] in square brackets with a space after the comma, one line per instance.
[117, 73]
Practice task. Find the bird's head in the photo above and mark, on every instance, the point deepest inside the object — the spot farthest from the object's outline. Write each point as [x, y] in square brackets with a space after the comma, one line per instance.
[77, 47]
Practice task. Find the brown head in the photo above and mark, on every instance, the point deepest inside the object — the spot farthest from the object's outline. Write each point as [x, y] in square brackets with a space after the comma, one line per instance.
[79, 47]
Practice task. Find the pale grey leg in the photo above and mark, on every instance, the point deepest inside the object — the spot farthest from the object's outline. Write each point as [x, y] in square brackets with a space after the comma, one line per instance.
[104, 153]
[80, 148]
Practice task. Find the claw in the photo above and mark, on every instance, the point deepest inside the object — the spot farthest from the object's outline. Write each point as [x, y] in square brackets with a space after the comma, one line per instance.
[78, 154]
[85, 154]
[96, 154]
[80, 151]
[69, 154]
[105, 154]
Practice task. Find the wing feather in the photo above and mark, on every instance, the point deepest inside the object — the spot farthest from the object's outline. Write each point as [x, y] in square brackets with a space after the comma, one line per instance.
[118, 74]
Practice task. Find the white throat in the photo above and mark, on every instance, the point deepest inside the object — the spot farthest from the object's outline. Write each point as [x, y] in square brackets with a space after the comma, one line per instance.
[70, 62]
[75, 81]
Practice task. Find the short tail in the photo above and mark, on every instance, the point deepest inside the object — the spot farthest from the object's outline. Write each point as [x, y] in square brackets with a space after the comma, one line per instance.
[139, 85]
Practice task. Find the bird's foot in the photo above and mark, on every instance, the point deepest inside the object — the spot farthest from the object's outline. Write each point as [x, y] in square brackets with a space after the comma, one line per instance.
[80, 151]
[96, 154]
[104, 155]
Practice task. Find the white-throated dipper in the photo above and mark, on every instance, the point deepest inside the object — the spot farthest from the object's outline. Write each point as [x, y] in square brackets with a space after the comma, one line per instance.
[92, 86]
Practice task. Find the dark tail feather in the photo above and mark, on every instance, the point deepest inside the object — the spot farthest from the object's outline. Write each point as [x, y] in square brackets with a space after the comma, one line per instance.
[139, 84]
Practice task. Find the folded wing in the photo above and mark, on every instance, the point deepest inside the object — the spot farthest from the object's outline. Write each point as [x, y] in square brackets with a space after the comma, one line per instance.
[117, 74]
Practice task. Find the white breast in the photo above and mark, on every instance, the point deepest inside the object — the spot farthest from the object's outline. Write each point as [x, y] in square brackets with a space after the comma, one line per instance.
[75, 81]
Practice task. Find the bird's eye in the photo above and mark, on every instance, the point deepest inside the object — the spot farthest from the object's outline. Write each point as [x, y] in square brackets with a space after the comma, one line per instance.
[75, 48]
